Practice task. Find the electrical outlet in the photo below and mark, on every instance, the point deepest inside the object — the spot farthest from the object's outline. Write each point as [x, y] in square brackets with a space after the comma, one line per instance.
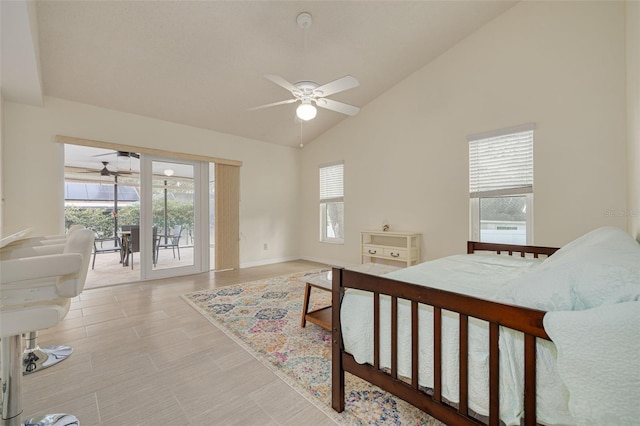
[266, 246]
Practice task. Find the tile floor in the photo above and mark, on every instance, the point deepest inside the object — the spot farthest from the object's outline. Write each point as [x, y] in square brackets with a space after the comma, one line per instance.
[142, 356]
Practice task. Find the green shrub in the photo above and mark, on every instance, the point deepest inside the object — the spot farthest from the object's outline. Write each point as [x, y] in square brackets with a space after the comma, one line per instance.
[101, 220]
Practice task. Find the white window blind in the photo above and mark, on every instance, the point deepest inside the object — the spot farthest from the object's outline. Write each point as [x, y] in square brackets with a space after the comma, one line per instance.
[332, 183]
[501, 163]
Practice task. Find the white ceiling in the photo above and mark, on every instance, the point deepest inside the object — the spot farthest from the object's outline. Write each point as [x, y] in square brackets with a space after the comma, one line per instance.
[201, 63]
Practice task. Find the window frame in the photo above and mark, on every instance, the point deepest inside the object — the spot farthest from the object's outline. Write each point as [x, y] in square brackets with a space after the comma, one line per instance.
[334, 197]
[474, 217]
[526, 190]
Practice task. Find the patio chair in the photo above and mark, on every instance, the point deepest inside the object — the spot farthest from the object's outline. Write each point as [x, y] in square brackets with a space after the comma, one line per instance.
[134, 242]
[114, 246]
[173, 242]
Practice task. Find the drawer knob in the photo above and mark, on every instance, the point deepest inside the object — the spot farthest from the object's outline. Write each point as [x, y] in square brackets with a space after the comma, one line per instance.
[395, 254]
[372, 251]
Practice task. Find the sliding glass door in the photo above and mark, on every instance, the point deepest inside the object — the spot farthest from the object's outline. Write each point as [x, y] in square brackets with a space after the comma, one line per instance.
[177, 216]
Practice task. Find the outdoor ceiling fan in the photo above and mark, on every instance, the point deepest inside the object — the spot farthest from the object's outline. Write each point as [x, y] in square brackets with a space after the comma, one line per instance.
[106, 172]
[309, 92]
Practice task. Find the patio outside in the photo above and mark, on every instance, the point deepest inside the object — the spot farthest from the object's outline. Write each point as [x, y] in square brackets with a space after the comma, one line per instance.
[92, 205]
[109, 271]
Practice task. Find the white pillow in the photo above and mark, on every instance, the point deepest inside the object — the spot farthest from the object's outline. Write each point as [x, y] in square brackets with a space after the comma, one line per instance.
[606, 237]
[601, 267]
[599, 362]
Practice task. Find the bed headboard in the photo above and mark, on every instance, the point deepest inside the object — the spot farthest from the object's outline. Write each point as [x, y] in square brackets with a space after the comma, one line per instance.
[473, 246]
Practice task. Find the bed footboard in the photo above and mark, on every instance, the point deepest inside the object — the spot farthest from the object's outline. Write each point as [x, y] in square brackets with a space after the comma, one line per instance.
[528, 321]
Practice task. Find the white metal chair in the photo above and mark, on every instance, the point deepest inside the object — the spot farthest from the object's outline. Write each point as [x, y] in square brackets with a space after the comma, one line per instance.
[170, 241]
[35, 294]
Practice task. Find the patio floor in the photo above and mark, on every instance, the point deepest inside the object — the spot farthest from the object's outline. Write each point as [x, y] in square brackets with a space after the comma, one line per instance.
[109, 271]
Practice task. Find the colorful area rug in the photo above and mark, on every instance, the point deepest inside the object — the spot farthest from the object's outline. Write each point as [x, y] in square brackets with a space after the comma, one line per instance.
[264, 318]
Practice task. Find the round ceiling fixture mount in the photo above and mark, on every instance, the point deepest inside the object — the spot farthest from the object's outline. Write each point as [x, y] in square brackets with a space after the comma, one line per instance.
[304, 20]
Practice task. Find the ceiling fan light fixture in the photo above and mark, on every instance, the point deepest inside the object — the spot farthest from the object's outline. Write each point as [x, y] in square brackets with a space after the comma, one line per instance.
[306, 111]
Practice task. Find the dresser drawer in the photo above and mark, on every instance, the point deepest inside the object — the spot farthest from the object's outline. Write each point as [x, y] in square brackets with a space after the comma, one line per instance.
[395, 253]
[368, 250]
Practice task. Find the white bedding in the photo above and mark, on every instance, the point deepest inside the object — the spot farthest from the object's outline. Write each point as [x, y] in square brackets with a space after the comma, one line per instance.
[479, 276]
[608, 395]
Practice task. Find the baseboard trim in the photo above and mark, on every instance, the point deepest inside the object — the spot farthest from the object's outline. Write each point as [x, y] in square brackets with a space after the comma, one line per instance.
[267, 262]
[339, 263]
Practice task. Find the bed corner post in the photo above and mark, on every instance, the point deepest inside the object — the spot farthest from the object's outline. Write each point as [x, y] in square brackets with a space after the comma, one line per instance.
[470, 247]
[337, 370]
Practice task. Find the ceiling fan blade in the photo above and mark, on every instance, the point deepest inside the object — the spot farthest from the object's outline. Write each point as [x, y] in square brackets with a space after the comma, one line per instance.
[281, 82]
[120, 154]
[337, 106]
[345, 83]
[288, 101]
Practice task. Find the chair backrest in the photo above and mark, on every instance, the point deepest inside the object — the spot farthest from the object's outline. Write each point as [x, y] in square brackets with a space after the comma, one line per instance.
[134, 242]
[81, 241]
[177, 231]
[74, 228]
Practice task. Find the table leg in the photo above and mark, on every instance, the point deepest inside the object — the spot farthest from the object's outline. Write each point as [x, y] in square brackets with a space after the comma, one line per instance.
[305, 305]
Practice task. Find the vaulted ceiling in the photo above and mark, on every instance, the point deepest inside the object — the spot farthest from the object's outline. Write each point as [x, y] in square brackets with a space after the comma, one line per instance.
[202, 63]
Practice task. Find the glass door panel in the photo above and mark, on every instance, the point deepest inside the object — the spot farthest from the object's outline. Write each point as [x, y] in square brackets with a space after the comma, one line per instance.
[172, 215]
[173, 209]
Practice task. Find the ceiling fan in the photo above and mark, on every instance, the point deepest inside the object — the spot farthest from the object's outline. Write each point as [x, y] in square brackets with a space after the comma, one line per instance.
[309, 92]
[106, 172]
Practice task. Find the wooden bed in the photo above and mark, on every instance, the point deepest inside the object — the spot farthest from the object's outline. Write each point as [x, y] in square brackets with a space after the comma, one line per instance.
[528, 321]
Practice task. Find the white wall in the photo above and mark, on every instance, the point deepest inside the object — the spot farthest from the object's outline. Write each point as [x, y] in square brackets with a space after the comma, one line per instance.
[558, 64]
[33, 170]
[633, 113]
[1, 166]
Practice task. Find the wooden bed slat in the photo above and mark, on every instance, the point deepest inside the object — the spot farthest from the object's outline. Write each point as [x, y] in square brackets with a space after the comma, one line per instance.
[394, 337]
[437, 354]
[414, 345]
[464, 365]
[529, 380]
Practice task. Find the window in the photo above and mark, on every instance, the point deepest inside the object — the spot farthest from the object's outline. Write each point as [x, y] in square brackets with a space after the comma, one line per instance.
[332, 203]
[501, 185]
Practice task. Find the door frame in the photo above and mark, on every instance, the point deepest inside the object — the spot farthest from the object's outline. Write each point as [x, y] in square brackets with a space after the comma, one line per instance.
[201, 218]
